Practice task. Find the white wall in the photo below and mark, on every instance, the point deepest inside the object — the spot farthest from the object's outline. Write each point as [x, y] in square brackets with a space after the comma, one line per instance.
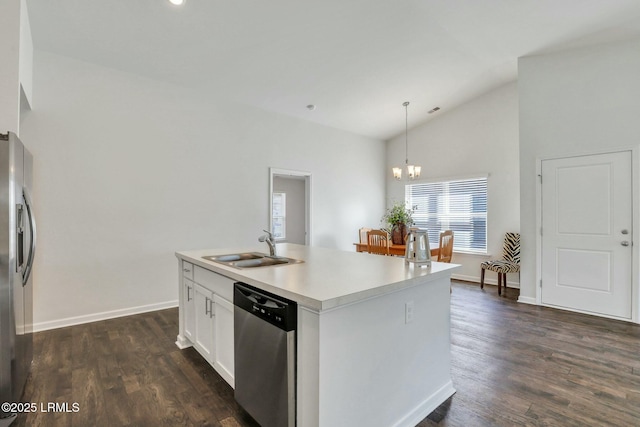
[572, 102]
[476, 138]
[26, 54]
[16, 51]
[9, 69]
[130, 170]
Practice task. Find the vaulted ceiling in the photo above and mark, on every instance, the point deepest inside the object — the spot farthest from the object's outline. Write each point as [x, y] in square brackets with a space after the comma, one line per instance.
[356, 60]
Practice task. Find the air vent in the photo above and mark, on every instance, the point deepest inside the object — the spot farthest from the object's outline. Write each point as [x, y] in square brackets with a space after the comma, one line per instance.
[434, 110]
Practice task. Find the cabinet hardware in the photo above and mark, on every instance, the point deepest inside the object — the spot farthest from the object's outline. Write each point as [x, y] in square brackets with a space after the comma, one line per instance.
[207, 308]
[188, 293]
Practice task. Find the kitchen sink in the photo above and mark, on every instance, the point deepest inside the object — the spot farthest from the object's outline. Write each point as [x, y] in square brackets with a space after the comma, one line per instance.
[235, 257]
[263, 262]
[251, 260]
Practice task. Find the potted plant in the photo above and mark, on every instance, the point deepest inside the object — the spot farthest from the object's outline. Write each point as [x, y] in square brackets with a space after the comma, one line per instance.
[398, 217]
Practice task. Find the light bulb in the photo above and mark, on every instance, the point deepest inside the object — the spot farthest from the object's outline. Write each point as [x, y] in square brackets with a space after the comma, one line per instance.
[411, 171]
[397, 173]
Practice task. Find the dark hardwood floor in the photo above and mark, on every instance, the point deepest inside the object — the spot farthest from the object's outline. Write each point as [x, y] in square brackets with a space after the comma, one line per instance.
[127, 372]
[513, 364]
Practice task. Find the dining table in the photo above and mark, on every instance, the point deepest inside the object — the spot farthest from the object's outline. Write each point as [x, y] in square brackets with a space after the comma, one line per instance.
[394, 249]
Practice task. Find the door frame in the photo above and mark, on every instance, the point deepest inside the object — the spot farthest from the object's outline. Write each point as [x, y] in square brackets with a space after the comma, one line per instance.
[635, 200]
[307, 198]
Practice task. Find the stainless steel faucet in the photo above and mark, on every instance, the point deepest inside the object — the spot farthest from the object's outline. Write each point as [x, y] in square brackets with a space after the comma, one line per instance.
[269, 239]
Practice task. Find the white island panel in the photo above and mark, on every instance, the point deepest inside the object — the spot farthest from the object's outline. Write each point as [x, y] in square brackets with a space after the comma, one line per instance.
[371, 367]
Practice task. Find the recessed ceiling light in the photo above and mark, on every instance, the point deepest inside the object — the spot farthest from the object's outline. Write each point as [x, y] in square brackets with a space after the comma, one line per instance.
[311, 107]
[177, 2]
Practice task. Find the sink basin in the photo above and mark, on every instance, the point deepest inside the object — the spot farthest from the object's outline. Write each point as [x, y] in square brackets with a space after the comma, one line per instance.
[251, 260]
[235, 257]
[262, 262]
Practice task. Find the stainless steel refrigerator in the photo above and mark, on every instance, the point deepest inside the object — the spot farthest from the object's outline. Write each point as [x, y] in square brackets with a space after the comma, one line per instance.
[17, 250]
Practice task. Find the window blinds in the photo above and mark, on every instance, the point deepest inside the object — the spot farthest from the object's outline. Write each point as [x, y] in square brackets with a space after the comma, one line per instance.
[458, 205]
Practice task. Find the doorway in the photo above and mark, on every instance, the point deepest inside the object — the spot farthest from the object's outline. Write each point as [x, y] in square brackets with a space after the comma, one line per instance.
[290, 205]
[586, 233]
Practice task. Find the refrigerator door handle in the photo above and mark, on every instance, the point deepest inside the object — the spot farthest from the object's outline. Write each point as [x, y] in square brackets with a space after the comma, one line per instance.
[32, 224]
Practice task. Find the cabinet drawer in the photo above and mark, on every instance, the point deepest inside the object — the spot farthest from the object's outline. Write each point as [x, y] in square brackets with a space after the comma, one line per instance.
[215, 282]
[187, 270]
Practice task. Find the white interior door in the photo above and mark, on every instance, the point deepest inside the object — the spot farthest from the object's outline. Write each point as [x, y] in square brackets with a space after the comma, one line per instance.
[586, 233]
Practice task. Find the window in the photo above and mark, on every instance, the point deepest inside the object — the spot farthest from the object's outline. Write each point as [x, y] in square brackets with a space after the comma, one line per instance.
[458, 205]
[279, 215]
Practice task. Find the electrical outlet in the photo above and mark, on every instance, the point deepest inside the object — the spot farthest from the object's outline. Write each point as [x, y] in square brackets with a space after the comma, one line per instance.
[408, 312]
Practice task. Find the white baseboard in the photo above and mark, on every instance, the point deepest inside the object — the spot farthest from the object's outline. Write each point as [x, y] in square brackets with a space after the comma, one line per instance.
[105, 315]
[427, 406]
[475, 279]
[527, 300]
[487, 281]
[183, 343]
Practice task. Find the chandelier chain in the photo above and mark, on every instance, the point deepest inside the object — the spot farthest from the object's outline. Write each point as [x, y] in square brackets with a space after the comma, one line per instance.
[406, 132]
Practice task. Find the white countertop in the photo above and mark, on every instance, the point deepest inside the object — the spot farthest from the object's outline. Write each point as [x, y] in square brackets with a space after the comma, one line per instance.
[327, 278]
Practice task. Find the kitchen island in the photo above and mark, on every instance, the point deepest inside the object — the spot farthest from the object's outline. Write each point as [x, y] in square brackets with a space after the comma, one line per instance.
[373, 337]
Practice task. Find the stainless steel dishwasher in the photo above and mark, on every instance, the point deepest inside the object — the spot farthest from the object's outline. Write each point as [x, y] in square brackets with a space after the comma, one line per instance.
[265, 355]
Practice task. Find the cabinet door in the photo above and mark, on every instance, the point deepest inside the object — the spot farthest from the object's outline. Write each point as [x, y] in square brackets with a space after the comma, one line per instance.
[189, 310]
[223, 348]
[204, 322]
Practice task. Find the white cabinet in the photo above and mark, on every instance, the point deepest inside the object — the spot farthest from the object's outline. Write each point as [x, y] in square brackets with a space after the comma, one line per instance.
[189, 311]
[204, 341]
[206, 317]
[223, 337]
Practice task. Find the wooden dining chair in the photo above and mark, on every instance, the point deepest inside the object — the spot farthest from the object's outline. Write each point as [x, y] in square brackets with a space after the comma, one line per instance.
[445, 248]
[363, 235]
[378, 242]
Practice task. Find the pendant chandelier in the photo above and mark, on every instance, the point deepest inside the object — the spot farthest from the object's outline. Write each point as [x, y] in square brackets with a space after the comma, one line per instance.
[413, 171]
